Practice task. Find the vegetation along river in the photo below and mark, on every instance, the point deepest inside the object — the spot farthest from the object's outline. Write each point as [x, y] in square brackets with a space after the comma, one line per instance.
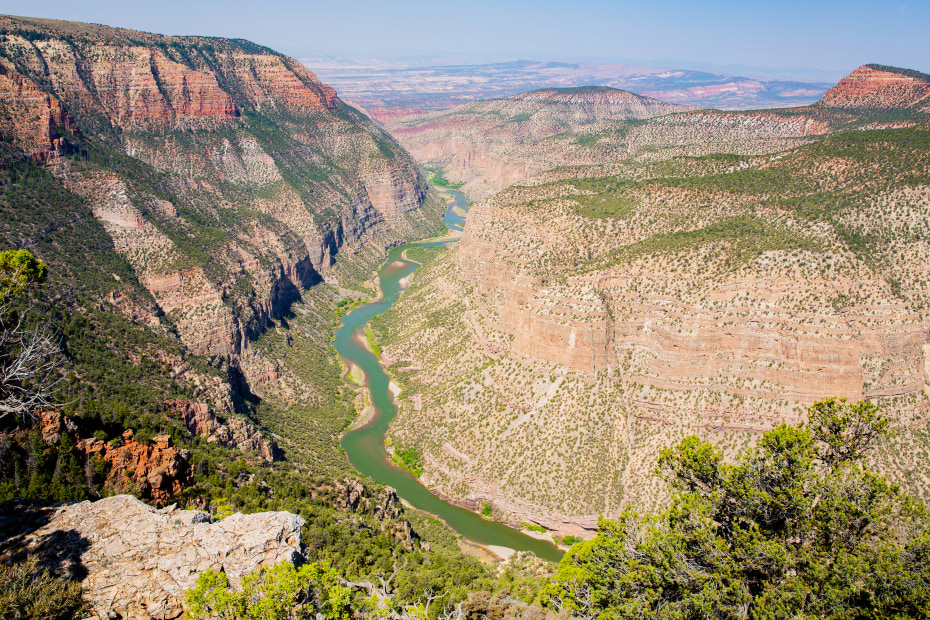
[365, 445]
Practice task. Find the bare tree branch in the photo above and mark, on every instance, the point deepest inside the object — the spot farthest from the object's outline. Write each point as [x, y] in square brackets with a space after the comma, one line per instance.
[30, 358]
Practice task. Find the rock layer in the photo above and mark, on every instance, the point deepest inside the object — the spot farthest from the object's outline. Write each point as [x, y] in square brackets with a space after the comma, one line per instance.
[137, 562]
[36, 120]
[876, 87]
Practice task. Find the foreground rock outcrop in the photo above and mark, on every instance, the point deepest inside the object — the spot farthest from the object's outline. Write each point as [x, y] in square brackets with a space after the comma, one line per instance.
[137, 561]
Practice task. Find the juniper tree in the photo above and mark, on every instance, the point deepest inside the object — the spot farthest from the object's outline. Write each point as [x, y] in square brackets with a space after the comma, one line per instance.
[797, 527]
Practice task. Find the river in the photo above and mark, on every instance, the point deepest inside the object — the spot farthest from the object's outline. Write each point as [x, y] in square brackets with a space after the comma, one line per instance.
[365, 445]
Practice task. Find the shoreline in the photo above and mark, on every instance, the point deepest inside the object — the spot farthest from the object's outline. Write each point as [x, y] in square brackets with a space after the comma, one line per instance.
[487, 553]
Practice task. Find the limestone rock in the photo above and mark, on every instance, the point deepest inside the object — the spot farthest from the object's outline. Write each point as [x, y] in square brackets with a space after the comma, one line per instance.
[137, 561]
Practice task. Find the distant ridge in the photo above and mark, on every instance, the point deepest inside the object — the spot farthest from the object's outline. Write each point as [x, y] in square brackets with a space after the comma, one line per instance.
[917, 75]
[879, 88]
[589, 94]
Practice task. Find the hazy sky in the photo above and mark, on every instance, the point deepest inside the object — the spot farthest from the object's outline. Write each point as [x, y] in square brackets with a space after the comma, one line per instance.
[830, 35]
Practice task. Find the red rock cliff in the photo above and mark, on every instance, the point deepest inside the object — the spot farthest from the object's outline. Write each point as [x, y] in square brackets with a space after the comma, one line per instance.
[36, 119]
[879, 88]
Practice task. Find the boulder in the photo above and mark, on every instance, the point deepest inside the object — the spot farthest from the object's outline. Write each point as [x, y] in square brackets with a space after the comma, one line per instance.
[137, 561]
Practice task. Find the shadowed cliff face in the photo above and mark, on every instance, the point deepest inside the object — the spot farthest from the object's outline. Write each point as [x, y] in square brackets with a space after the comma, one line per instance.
[228, 175]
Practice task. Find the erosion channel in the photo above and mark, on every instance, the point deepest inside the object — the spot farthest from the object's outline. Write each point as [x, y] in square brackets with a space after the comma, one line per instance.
[365, 445]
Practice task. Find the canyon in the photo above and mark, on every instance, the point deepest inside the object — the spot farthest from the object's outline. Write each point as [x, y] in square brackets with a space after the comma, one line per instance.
[595, 313]
[228, 179]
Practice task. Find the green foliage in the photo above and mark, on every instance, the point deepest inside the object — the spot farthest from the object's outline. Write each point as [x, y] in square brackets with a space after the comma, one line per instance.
[796, 528]
[534, 528]
[608, 204]
[410, 459]
[486, 510]
[19, 269]
[571, 540]
[438, 180]
[739, 239]
[28, 592]
[282, 591]
[847, 431]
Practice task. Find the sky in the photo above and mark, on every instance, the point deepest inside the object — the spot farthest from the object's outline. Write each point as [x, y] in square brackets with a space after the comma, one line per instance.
[754, 35]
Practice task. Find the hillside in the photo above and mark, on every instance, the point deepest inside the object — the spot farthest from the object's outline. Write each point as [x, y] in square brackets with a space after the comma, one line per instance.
[470, 147]
[586, 320]
[203, 204]
[486, 144]
[881, 88]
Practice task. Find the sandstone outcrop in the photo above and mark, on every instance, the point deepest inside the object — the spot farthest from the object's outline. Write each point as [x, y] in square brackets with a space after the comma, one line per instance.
[137, 561]
[876, 87]
[36, 120]
[233, 432]
[155, 470]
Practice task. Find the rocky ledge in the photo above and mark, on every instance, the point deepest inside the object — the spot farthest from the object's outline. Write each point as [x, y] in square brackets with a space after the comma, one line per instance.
[137, 561]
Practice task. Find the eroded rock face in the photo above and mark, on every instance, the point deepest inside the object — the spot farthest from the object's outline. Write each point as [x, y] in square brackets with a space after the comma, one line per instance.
[137, 561]
[235, 432]
[879, 88]
[155, 469]
[36, 119]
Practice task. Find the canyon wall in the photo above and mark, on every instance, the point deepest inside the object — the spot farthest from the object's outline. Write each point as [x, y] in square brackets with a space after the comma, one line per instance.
[491, 145]
[584, 322]
[228, 176]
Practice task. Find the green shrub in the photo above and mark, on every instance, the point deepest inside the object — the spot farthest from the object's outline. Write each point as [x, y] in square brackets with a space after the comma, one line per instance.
[28, 592]
[796, 528]
[282, 591]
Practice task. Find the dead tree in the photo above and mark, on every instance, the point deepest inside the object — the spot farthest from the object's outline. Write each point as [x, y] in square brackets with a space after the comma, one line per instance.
[30, 359]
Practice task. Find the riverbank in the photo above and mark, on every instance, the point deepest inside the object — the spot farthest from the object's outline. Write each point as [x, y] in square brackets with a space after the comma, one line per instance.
[364, 443]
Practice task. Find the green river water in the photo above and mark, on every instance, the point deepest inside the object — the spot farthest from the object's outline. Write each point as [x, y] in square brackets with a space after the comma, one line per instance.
[365, 445]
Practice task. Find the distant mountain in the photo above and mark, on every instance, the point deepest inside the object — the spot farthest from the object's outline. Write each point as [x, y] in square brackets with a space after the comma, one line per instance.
[489, 145]
[389, 92]
[877, 87]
